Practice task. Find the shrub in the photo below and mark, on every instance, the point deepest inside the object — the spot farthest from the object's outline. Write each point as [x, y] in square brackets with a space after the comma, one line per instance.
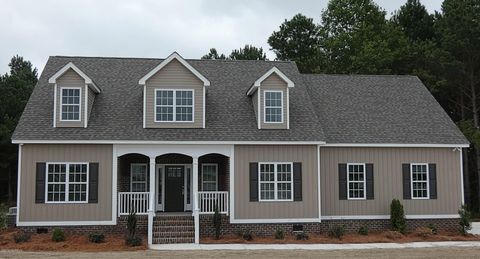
[217, 222]
[433, 227]
[133, 241]
[301, 236]
[21, 237]
[363, 230]
[58, 235]
[247, 235]
[423, 232]
[3, 216]
[465, 220]
[279, 233]
[96, 238]
[397, 216]
[131, 225]
[337, 232]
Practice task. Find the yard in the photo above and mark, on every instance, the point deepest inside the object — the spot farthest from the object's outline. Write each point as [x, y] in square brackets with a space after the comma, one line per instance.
[457, 252]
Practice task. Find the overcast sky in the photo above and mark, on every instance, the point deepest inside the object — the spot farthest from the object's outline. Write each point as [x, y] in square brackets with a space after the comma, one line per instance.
[147, 28]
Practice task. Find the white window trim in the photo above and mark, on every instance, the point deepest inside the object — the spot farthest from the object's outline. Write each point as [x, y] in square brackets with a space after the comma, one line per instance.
[216, 175]
[364, 181]
[411, 181]
[79, 102]
[275, 181]
[265, 107]
[67, 181]
[174, 105]
[146, 175]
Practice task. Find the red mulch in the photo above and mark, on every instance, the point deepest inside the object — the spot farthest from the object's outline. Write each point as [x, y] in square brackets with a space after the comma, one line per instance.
[43, 242]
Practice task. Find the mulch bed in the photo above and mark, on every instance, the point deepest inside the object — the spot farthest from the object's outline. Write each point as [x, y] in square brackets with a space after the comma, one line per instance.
[43, 242]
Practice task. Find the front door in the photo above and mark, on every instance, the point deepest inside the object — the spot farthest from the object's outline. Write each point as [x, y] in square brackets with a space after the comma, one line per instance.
[174, 183]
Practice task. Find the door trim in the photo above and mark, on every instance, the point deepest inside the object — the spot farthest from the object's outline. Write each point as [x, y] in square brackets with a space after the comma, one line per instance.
[161, 207]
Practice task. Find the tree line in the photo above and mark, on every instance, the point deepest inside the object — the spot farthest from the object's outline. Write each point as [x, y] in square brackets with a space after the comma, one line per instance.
[353, 37]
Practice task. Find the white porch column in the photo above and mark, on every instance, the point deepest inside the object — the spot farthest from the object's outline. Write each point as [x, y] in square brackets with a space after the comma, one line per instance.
[196, 209]
[151, 201]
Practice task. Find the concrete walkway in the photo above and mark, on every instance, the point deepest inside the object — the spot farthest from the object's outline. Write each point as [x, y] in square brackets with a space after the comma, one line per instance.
[315, 246]
[475, 228]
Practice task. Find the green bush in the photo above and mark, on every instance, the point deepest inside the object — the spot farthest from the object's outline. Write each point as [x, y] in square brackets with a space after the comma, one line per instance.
[363, 230]
[279, 233]
[21, 237]
[433, 227]
[247, 235]
[3, 216]
[397, 216]
[217, 222]
[134, 241]
[58, 235]
[465, 220]
[301, 236]
[96, 238]
[337, 232]
[131, 225]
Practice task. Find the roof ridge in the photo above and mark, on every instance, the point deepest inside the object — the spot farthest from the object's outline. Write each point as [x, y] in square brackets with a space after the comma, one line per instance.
[358, 75]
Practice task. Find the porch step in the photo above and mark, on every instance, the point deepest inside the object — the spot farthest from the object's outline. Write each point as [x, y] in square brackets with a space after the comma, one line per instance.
[173, 229]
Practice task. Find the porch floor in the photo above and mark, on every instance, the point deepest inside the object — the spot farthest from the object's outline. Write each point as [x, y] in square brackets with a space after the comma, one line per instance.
[182, 213]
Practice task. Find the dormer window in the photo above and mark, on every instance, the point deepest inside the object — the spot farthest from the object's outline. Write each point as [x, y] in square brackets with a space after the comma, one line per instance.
[70, 103]
[173, 105]
[273, 106]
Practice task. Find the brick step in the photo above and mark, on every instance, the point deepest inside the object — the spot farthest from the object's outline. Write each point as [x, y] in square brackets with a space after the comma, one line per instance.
[175, 240]
[173, 218]
[173, 223]
[173, 228]
[181, 234]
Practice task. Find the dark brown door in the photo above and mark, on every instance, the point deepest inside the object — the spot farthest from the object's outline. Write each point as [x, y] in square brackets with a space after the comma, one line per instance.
[174, 181]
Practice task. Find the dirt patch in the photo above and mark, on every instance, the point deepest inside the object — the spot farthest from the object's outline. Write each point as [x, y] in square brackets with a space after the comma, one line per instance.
[43, 242]
[372, 237]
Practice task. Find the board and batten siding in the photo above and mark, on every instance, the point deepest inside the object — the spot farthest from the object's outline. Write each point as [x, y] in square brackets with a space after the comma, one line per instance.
[174, 76]
[387, 166]
[307, 208]
[273, 82]
[70, 79]
[30, 211]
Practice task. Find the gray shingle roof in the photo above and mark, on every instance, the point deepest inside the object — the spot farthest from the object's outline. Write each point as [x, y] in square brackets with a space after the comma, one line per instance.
[380, 109]
[117, 111]
[336, 109]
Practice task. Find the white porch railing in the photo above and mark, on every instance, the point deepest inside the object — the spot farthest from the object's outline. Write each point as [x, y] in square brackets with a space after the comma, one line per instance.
[136, 201]
[208, 200]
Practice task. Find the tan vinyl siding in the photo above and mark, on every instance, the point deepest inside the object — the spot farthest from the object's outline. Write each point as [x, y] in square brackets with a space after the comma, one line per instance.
[31, 154]
[70, 79]
[174, 76]
[387, 163]
[273, 82]
[91, 99]
[307, 208]
[255, 104]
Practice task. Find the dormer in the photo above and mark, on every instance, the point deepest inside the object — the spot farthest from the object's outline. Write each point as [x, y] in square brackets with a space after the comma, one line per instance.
[270, 98]
[174, 95]
[74, 93]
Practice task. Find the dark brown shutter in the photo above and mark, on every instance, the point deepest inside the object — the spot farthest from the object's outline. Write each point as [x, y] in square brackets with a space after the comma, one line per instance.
[93, 183]
[342, 181]
[407, 194]
[253, 181]
[40, 183]
[432, 178]
[297, 181]
[369, 181]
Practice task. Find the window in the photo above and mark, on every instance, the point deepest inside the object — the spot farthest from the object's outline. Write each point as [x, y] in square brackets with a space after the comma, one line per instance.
[174, 106]
[275, 181]
[138, 177]
[356, 181]
[209, 177]
[419, 176]
[273, 106]
[70, 104]
[67, 182]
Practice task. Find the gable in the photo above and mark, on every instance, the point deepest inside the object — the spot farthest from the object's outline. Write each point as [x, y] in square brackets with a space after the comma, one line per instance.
[70, 78]
[174, 74]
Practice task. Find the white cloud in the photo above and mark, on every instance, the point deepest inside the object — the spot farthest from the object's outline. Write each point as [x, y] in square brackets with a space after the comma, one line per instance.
[145, 28]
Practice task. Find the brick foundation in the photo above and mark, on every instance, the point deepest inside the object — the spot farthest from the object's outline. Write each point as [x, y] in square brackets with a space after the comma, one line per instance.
[120, 228]
[352, 226]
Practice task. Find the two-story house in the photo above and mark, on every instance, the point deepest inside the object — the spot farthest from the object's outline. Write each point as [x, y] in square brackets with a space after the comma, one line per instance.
[174, 139]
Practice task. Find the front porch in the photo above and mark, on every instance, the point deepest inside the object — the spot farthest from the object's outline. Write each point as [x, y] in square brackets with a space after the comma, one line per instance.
[172, 184]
